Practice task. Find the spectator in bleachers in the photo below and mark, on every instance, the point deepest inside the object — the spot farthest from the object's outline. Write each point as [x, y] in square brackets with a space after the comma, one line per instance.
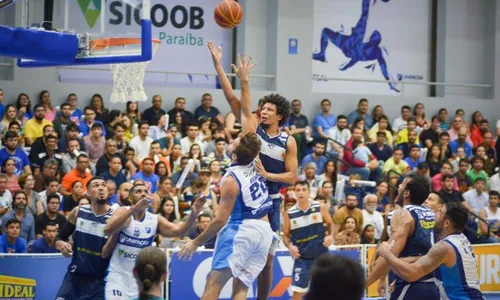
[153, 114]
[330, 173]
[464, 182]
[128, 122]
[328, 192]
[180, 107]
[371, 216]
[383, 126]
[475, 123]
[101, 113]
[206, 109]
[412, 140]
[114, 171]
[323, 121]
[404, 134]
[47, 240]
[477, 198]
[382, 198]
[430, 136]
[72, 201]
[219, 154]
[489, 146]
[133, 111]
[195, 154]
[434, 159]
[309, 173]
[232, 126]
[349, 234]
[146, 174]
[174, 158]
[377, 112]
[443, 119]
[12, 150]
[27, 183]
[177, 175]
[191, 138]
[23, 106]
[114, 117]
[90, 119]
[458, 123]
[360, 123]
[205, 134]
[9, 168]
[51, 215]
[76, 113]
[368, 235]
[448, 192]
[142, 142]
[494, 182]
[362, 152]
[218, 133]
[69, 158]
[202, 225]
[477, 170]
[357, 166]
[49, 153]
[478, 134]
[401, 122]
[10, 242]
[155, 154]
[33, 128]
[437, 180]
[491, 214]
[461, 142]
[52, 188]
[160, 130]
[110, 151]
[112, 196]
[9, 116]
[396, 163]
[350, 209]
[341, 134]
[215, 175]
[419, 115]
[72, 133]
[489, 163]
[62, 120]
[44, 100]
[5, 196]
[444, 144]
[380, 149]
[50, 169]
[298, 124]
[95, 143]
[40, 144]
[18, 212]
[413, 158]
[317, 157]
[79, 173]
[361, 112]
[161, 169]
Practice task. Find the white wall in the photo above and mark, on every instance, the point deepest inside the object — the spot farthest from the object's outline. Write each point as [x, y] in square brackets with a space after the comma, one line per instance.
[264, 34]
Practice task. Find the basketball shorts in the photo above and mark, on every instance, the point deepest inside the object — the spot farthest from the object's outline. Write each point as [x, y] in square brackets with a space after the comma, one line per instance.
[243, 248]
[301, 274]
[418, 290]
[120, 287]
[274, 216]
[81, 287]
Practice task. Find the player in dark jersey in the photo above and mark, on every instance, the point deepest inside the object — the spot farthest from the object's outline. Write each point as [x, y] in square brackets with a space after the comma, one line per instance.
[86, 272]
[277, 159]
[304, 234]
[412, 230]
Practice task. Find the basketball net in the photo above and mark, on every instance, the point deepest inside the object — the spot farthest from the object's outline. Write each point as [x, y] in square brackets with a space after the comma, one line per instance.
[128, 80]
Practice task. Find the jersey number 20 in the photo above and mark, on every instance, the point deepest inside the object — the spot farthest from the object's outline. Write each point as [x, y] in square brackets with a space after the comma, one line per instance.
[257, 188]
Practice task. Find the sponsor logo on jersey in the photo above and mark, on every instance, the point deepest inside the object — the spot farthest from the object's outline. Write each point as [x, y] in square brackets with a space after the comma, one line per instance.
[17, 288]
[134, 242]
[125, 254]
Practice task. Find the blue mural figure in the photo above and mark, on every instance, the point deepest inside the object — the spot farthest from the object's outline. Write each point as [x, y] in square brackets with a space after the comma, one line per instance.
[353, 46]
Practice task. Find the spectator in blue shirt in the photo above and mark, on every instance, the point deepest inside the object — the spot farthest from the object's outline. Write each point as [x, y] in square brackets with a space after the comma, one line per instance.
[318, 157]
[114, 172]
[207, 110]
[361, 112]
[147, 174]
[461, 141]
[86, 124]
[76, 113]
[414, 158]
[18, 155]
[19, 202]
[10, 242]
[47, 243]
[203, 221]
[324, 121]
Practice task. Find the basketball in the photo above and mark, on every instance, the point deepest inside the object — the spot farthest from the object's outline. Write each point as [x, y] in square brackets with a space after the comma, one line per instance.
[228, 14]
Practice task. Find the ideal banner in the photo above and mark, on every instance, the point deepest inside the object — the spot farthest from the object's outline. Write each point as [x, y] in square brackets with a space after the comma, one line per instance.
[488, 264]
[183, 28]
[197, 270]
[31, 277]
[371, 40]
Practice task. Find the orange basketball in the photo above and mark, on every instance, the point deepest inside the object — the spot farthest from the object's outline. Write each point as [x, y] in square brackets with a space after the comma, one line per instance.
[228, 14]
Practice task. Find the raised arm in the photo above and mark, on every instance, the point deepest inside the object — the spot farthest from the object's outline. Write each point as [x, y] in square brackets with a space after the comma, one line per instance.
[168, 229]
[231, 98]
[243, 71]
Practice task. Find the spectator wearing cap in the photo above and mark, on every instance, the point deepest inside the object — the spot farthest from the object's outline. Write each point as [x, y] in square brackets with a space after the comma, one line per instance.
[207, 110]
[380, 149]
[12, 150]
[95, 142]
[413, 158]
[33, 128]
[147, 174]
[90, 119]
[153, 114]
[10, 242]
[361, 112]
[477, 198]
[77, 174]
[219, 154]
[72, 133]
[317, 157]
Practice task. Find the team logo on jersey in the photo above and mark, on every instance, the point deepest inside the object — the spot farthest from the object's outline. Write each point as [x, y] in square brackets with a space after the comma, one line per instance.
[137, 232]
[313, 209]
[122, 238]
[148, 230]
[315, 217]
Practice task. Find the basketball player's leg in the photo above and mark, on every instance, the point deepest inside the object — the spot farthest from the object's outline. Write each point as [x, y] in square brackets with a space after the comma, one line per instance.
[240, 290]
[300, 277]
[116, 289]
[416, 291]
[216, 281]
[70, 288]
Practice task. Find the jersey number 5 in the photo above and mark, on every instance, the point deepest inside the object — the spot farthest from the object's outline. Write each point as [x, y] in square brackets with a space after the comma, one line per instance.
[257, 188]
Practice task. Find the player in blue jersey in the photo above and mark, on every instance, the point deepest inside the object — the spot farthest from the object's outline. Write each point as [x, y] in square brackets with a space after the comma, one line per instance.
[304, 234]
[278, 155]
[412, 230]
[244, 242]
[86, 272]
[452, 256]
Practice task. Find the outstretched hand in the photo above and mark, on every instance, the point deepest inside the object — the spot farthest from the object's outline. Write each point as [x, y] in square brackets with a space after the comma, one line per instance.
[216, 52]
[244, 67]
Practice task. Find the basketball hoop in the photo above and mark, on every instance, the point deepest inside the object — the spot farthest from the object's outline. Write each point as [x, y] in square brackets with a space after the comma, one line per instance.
[128, 78]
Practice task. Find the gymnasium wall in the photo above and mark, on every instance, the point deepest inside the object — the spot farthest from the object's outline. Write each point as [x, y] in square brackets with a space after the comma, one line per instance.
[468, 39]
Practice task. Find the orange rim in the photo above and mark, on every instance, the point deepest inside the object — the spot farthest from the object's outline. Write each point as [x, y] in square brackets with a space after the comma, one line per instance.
[101, 44]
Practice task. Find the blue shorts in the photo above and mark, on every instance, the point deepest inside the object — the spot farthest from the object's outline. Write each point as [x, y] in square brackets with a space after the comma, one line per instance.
[81, 287]
[416, 291]
[274, 216]
[301, 274]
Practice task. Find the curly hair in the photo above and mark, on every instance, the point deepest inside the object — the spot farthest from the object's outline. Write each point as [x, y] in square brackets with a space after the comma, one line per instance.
[282, 106]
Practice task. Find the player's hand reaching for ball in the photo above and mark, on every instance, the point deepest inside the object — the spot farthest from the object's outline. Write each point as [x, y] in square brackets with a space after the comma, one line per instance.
[65, 248]
[216, 52]
[188, 250]
[244, 67]
[294, 251]
[141, 205]
[385, 248]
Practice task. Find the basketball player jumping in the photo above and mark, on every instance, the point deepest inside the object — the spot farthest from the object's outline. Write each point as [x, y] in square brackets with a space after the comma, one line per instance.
[278, 153]
[453, 256]
[412, 232]
[85, 277]
[133, 228]
[244, 242]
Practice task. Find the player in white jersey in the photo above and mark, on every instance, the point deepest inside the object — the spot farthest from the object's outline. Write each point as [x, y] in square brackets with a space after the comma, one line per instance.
[133, 228]
[245, 239]
[452, 255]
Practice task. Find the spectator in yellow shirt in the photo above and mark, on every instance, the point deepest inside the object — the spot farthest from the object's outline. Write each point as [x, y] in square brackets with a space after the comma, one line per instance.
[33, 128]
[403, 134]
[396, 163]
[383, 124]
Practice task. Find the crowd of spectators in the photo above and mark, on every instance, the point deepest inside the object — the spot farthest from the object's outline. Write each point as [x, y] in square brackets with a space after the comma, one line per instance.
[353, 163]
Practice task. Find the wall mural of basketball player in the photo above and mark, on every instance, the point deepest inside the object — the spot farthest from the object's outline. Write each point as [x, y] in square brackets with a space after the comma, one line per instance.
[353, 46]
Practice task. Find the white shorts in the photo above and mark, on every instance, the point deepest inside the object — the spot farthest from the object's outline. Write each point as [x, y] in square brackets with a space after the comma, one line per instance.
[243, 248]
[120, 287]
